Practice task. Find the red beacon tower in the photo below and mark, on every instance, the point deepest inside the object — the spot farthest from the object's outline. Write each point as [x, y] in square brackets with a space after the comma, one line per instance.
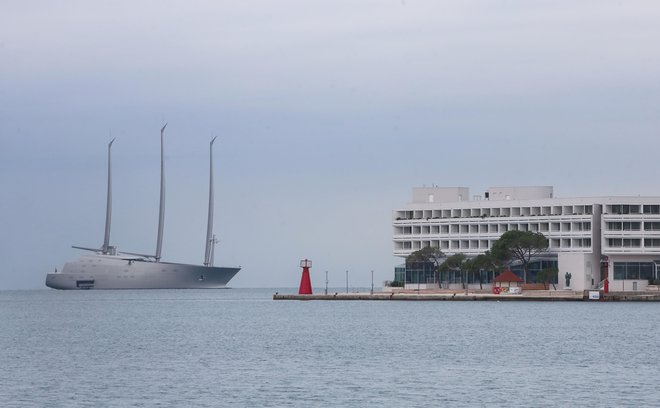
[305, 281]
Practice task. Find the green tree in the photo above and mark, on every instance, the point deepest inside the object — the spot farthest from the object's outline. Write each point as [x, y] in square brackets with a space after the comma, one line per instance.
[480, 263]
[456, 262]
[428, 254]
[469, 266]
[494, 261]
[521, 246]
[548, 275]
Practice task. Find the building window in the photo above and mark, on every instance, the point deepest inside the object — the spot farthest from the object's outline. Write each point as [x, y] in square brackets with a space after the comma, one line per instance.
[625, 209]
[623, 243]
[583, 226]
[624, 226]
[631, 226]
[651, 242]
[534, 268]
[652, 226]
[633, 270]
[614, 226]
[419, 272]
[652, 209]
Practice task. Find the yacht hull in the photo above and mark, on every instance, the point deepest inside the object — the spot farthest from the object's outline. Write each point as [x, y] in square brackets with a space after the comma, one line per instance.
[115, 272]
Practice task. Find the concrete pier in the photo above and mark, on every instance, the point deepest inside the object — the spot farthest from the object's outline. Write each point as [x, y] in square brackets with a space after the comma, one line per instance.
[534, 295]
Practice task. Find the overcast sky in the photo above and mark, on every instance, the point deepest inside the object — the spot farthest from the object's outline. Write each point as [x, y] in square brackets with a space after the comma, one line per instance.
[327, 113]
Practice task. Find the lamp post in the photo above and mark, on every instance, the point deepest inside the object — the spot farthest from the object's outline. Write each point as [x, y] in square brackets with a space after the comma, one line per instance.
[372, 282]
[466, 281]
[326, 282]
[347, 281]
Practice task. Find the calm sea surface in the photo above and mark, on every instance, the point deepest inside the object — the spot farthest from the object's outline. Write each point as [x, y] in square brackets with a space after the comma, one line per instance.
[210, 348]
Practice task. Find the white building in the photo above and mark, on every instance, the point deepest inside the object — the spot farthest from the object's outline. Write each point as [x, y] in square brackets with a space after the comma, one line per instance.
[592, 238]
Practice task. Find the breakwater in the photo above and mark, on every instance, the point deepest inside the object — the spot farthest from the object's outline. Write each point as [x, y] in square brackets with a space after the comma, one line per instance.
[550, 296]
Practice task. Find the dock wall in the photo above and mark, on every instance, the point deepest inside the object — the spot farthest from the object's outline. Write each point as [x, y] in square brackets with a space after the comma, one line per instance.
[550, 296]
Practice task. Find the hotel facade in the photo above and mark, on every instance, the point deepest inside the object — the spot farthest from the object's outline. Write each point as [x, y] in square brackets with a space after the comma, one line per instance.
[591, 239]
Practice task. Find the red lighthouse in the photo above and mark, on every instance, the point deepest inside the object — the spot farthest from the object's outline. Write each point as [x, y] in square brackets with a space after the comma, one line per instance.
[305, 281]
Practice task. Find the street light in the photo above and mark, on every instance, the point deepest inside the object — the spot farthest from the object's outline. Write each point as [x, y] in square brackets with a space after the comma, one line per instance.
[326, 282]
[372, 282]
[347, 281]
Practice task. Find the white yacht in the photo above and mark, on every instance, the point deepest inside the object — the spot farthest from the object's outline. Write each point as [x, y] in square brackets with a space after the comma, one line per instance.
[108, 268]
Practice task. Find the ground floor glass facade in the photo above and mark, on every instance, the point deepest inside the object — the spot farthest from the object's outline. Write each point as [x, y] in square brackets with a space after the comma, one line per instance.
[634, 270]
[425, 272]
[533, 269]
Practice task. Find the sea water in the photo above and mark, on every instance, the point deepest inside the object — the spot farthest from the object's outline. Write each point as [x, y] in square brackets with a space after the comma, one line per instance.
[214, 348]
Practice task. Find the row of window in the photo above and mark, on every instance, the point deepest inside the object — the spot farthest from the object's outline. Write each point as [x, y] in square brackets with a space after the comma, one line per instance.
[555, 210]
[419, 275]
[534, 227]
[632, 226]
[484, 244]
[495, 212]
[491, 228]
[632, 209]
[633, 242]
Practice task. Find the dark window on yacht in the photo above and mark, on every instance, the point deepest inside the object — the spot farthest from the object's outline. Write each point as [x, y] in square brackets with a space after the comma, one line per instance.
[85, 284]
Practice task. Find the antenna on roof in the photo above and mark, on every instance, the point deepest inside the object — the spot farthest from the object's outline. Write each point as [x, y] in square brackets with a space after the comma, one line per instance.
[161, 207]
[210, 240]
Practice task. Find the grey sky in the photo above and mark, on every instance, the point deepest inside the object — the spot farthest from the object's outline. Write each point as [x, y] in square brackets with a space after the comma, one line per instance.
[327, 113]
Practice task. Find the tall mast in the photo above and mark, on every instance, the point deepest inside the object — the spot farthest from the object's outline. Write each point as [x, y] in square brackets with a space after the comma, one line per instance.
[209, 226]
[214, 240]
[108, 205]
[161, 209]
